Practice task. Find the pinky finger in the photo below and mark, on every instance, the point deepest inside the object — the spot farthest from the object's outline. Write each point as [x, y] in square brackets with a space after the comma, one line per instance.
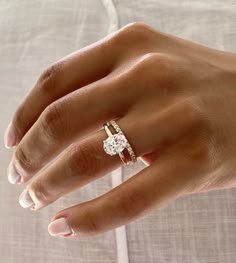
[150, 188]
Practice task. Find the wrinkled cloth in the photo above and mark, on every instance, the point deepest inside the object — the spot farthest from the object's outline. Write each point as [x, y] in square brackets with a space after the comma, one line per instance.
[198, 228]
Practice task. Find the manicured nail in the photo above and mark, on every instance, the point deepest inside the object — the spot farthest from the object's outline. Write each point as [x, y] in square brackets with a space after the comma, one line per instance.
[59, 227]
[9, 137]
[25, 199]
[13, 175]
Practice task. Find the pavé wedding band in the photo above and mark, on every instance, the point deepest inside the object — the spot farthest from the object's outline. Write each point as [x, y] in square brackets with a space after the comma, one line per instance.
[117, 143]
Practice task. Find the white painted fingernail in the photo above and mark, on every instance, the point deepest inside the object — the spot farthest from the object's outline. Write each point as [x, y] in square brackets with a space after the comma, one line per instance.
[25, 199]
[13, 175]
[59, 227]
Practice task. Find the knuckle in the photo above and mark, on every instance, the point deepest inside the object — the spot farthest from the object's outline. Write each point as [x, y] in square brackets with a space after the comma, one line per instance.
[40, 192]
[136, 32]
[52, 121]
[148, 60]
[49, 78]
[23, 160]
[136, 26]
[84, 159]
[151, 63]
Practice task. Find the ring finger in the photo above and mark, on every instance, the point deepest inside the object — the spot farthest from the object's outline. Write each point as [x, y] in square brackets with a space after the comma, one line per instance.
[80, 164]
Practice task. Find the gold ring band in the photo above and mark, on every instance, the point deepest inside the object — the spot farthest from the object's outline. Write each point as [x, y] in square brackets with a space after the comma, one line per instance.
[117, 143]
[109, 134]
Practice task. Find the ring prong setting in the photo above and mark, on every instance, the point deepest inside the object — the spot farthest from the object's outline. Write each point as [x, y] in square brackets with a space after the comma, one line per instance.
[115, 144]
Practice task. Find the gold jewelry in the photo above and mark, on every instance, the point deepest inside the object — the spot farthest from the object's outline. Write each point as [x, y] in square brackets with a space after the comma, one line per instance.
[117, 143]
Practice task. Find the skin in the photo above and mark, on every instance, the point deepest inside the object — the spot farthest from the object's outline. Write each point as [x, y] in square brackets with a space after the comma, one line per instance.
[174, 100]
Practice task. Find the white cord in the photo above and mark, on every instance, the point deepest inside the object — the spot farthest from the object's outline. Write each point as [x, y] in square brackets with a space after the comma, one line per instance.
[121, 236]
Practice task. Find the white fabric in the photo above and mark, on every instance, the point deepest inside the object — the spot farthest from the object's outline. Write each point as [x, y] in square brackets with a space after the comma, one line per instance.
[121, 237]
[199, 228]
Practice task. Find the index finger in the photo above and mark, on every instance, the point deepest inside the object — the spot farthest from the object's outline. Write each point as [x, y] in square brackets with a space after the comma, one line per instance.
[66, 75]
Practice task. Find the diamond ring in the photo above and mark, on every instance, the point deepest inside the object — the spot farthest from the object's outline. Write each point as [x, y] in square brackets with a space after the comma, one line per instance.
[117, 143]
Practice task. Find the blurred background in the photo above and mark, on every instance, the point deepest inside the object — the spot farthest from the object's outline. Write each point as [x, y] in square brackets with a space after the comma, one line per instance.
[199, 228]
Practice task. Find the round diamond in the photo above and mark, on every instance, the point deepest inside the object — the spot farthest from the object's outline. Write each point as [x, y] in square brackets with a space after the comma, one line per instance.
[115, 144]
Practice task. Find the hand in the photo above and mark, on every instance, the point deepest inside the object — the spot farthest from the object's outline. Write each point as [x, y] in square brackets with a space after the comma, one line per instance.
[174, 100]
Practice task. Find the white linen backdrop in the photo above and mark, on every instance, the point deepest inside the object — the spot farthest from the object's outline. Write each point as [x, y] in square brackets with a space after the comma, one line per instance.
[199, 228]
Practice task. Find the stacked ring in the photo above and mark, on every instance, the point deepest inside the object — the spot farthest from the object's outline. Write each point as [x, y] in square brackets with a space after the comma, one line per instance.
[117, 143]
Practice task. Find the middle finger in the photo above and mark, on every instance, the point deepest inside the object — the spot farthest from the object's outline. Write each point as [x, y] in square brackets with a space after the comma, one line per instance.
[65, 120]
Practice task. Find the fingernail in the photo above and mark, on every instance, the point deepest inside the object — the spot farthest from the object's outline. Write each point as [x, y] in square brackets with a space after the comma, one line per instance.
[59, 227]
[25, 200]
[9, 137]
[13, 175]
